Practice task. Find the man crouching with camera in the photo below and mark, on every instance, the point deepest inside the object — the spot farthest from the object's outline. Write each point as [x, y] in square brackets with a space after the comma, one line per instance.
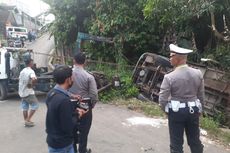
[59, 123]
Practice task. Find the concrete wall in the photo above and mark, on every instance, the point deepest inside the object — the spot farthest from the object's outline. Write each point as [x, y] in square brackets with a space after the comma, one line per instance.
[29, 23]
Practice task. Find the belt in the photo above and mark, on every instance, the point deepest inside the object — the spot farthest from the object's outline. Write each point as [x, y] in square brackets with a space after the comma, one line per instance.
[183, 105]
[189, 104]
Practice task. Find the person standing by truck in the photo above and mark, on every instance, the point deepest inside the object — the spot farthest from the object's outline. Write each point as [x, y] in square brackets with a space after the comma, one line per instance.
[30, 36]
[27, 79]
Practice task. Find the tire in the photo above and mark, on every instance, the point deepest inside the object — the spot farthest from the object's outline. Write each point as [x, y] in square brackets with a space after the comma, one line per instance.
[3, 91]
[163, 61]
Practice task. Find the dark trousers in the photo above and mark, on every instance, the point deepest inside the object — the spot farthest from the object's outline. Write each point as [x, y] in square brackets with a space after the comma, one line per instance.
[76, 136]
[182, 121]
[81, 132]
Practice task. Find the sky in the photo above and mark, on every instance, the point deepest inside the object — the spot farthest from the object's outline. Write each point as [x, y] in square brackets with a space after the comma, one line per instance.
[31, 7]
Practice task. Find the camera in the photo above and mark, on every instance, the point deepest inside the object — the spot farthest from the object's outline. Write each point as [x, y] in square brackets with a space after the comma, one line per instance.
[86, 100]
[83, 104]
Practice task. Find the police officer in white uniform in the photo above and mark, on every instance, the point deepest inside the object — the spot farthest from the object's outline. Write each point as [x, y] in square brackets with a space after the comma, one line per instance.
[181, 97]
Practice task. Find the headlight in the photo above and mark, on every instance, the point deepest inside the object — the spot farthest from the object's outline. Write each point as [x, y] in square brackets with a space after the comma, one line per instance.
[142, 73]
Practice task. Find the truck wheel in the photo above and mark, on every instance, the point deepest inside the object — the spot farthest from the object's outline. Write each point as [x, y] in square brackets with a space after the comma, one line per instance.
[3, 92]
[163, 61]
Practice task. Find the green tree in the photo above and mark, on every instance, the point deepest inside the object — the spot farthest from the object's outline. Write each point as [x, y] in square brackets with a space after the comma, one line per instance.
[194, 16]
[70, 16]
[125, 22]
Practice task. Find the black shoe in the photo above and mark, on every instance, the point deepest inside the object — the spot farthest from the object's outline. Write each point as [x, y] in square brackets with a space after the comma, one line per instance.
[88, 150]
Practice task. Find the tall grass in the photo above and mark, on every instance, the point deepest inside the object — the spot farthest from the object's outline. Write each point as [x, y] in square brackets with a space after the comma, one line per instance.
[126, 89]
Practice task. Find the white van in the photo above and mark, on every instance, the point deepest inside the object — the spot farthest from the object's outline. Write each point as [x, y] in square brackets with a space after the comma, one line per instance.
[16, 32]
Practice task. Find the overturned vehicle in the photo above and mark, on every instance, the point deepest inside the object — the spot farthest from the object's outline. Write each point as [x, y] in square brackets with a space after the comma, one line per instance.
[151, 68]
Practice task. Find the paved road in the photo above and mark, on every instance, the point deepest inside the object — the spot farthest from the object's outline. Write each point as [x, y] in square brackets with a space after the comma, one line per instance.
[41, 46]
[114, 130]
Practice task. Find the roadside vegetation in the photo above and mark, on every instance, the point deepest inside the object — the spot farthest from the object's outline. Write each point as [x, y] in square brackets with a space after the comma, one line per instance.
[214, 131]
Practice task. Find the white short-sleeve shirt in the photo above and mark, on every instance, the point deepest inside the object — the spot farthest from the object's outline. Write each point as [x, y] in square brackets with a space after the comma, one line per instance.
[25, 76]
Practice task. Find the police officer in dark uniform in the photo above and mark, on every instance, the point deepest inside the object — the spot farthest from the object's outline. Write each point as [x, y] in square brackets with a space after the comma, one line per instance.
[181, 97]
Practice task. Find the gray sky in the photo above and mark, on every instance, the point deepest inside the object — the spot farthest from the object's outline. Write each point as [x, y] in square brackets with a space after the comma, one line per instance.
[31, 7]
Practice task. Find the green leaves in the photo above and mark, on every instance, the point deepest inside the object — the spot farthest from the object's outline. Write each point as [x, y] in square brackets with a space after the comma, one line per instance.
[175, 12]
[125, 22]
[69, 19]
[149, 8]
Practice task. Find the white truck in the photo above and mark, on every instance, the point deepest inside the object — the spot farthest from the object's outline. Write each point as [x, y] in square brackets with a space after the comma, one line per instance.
[11, 63]
[17, 32]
